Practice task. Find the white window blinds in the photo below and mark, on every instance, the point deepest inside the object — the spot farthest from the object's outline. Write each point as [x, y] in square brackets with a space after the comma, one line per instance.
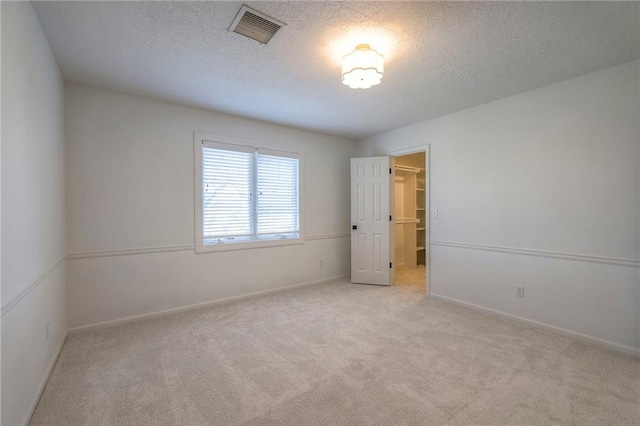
[248, 194]
[277, 201]
[227, 201]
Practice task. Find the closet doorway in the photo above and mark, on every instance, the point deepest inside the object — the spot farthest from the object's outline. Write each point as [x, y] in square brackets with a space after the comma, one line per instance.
[411, 223]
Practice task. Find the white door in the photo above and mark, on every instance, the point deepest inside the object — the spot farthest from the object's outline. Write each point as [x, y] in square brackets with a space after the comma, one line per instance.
[371, 225]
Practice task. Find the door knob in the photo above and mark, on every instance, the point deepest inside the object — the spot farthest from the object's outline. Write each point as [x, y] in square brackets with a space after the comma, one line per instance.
[354, 227]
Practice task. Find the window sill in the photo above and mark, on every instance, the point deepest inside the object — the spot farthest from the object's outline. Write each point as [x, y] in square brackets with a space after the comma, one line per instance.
[208, 248]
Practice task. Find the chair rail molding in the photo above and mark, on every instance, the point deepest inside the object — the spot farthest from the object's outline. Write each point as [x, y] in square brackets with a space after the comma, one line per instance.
[633, 263]
[129, 251]
[327, 236]
[170, 248]
[22, 291]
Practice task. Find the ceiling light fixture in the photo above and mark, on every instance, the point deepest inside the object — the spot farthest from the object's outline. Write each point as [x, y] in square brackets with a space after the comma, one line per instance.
[362, 68]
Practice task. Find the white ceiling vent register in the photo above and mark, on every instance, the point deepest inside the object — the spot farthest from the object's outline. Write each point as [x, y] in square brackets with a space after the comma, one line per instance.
[255, 25]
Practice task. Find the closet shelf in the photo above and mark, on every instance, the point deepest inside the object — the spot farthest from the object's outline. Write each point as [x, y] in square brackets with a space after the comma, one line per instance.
[419, 248]
[419, 189]
[419, 209]
[421, 229]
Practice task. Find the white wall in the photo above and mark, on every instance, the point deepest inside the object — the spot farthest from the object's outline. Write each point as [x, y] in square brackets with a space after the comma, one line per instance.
[130, 185]
[555, 170]
[33, 211]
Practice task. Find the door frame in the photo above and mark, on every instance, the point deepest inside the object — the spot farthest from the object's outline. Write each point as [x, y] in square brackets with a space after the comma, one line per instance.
[427, 173]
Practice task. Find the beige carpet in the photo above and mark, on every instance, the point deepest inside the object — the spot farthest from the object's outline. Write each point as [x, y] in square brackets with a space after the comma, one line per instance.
[411, 277]
[336, 353]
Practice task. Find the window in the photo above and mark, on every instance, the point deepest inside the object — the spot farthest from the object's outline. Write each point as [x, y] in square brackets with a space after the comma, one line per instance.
[246, 195]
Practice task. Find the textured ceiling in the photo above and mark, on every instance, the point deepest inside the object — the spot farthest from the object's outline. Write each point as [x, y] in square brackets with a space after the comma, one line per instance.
[440, 57]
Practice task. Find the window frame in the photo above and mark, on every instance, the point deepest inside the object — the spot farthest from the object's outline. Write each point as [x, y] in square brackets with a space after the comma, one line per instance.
[200, 246]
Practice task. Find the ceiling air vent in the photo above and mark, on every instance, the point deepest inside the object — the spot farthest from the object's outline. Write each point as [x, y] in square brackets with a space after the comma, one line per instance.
[255, 25]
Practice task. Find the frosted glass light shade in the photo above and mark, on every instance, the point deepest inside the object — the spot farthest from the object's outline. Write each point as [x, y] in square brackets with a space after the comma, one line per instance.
[362, 68]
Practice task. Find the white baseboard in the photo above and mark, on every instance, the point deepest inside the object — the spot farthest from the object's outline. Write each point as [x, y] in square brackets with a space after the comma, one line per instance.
[45, 379]
[172, 311]
[615, 347]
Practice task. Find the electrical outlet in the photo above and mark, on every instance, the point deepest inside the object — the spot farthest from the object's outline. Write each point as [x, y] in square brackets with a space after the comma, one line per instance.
[520, 291]
[321, 263]
[434, 213]
[48, 329]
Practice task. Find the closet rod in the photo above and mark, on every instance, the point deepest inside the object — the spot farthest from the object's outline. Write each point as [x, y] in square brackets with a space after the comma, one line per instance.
[408, 169]
[400, 221]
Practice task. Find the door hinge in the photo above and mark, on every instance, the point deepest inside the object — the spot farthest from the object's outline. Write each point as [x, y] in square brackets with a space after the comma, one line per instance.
[389, 170]
[389, 218]
[390, 265]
